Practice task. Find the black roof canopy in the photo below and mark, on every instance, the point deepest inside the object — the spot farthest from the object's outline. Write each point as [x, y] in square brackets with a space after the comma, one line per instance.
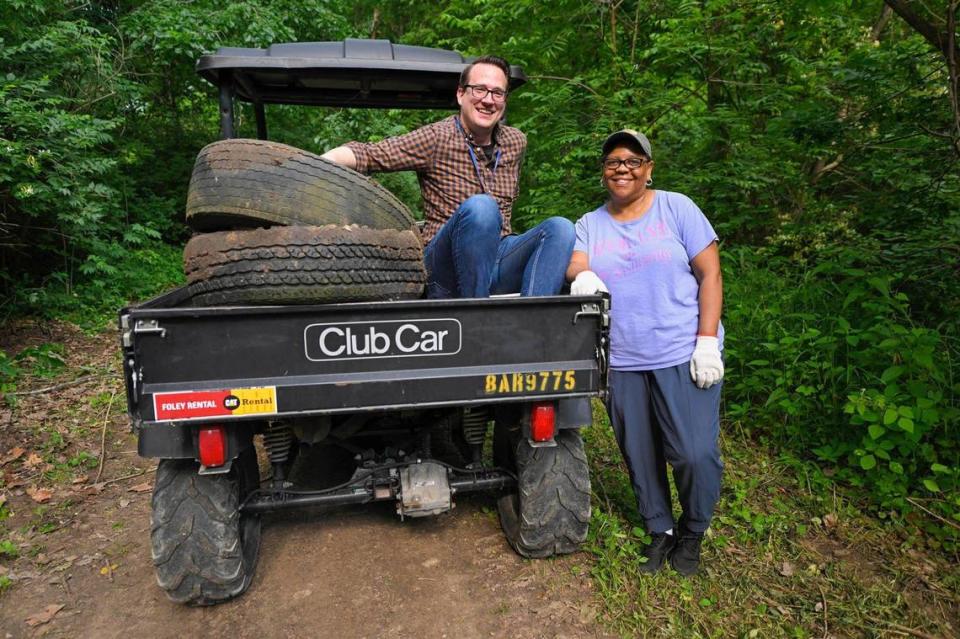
[351, 73]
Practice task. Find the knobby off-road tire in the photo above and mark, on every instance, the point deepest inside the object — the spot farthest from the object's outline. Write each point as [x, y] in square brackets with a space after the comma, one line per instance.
[303, 265]
[252, 183]
[549, 513]
[204, 550]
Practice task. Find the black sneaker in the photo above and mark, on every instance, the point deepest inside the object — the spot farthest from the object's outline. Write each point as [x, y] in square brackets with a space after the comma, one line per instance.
[685, 554]
[656, 552]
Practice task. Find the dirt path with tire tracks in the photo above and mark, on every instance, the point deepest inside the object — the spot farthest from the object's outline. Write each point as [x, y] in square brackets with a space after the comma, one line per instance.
[83, 564]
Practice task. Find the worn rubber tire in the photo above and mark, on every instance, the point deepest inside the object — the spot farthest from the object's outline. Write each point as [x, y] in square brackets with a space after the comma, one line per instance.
[549, 513]
[203, 549]
[303, 265]
[253, 183]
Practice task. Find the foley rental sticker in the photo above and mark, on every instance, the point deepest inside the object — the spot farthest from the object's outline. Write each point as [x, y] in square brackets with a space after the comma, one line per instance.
[217, 403]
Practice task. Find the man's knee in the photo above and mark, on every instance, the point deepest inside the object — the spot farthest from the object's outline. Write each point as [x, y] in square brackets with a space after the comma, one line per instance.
[481, 211]
[559, 226]
[560, 230]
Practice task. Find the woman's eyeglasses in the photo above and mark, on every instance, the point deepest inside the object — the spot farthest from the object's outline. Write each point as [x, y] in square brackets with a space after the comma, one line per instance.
[612, 164]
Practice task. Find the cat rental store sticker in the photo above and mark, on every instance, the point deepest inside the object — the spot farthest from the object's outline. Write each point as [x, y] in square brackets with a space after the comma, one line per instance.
[217, 403]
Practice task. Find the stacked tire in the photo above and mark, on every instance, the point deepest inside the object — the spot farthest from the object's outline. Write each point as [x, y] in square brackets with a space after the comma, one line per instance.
[276, 225]
[279, 225]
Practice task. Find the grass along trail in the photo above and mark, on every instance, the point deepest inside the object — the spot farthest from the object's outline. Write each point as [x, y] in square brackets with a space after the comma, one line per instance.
[789, 555]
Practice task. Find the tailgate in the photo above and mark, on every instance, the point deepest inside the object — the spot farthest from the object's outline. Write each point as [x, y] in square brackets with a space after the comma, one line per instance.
[238, 363]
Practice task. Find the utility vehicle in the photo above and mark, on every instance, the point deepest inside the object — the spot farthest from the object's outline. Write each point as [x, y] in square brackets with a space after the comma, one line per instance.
[412, 401]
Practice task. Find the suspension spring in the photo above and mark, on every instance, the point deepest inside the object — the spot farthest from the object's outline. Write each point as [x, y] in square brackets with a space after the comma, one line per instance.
[475, 425]
[277, 440]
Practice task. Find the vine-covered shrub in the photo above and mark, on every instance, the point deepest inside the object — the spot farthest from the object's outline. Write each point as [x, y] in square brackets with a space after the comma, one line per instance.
[826, 359]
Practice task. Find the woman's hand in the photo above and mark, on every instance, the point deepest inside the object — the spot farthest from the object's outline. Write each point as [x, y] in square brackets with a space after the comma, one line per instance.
[582, 280]
[587, 283]
[706, 365]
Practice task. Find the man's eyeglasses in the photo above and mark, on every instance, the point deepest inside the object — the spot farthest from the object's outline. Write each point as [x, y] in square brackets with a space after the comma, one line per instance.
[480, 92]
[612, 164]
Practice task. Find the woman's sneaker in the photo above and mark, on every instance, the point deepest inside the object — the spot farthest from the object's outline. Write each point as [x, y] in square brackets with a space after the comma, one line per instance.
[656, 552]
[685, 553]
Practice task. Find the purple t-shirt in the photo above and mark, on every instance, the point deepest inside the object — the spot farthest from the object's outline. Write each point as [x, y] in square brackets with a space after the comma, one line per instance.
[654, 314]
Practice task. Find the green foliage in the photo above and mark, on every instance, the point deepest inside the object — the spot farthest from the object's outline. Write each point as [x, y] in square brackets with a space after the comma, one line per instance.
[9, 549]
[101, 116]
[830, 361]
[45, 360]
[9, 370]
[57, 192]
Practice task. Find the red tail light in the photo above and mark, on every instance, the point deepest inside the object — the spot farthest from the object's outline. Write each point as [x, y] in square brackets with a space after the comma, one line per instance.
[213, 445]
[543, 420]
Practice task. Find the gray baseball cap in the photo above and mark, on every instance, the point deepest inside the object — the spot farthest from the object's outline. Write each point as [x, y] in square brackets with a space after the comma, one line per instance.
[629, 137]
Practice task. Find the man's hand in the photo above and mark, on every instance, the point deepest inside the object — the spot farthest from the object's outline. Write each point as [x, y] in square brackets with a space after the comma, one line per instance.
[706, 365]
[342, 155]
[587, 283]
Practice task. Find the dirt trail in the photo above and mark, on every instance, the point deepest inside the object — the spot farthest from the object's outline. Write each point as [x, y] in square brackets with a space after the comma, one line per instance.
[351, 572]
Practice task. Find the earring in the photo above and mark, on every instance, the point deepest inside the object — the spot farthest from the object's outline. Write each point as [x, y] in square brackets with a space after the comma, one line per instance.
[649, 182]
[603, 184]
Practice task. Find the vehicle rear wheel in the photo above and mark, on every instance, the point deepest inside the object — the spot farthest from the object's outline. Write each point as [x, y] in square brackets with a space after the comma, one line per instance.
[244, 183]
[303, 265]
[204, 549]
[549, 513]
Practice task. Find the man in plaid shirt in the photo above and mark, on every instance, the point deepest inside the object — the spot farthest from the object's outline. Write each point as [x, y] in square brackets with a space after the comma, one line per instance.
[468, 166]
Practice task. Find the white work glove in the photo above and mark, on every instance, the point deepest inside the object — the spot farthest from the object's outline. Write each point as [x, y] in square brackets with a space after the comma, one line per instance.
[706, 365]
[587, 283]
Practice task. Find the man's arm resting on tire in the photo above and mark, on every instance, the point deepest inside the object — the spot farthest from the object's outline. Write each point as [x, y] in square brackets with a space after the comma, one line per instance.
[342, 155]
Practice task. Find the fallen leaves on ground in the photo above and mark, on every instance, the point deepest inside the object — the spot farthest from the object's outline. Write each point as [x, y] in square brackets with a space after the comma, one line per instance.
[33, 460]
[44, 616]
[787, 569]
[141, 488]
[14, 454]
[39, 495]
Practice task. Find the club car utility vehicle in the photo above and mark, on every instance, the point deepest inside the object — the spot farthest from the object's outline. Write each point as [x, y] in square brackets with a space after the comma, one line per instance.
[303, 326]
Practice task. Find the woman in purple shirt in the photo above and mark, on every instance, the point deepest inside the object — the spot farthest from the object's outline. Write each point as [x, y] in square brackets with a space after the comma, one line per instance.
[656, 254]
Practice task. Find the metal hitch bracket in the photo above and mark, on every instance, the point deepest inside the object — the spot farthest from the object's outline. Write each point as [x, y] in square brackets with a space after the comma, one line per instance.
[149, 327]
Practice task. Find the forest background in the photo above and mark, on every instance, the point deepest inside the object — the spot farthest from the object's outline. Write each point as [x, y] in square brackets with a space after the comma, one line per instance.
[821, 137]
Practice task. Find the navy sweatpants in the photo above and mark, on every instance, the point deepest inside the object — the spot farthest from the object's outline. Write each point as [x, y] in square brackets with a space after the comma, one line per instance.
[660, 417]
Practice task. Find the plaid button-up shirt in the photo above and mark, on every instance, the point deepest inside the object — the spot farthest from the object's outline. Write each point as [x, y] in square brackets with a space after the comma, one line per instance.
[439, 154]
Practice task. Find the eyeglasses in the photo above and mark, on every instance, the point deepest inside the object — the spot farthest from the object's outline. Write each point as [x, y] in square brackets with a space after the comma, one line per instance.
[612, 164]
[480, 92]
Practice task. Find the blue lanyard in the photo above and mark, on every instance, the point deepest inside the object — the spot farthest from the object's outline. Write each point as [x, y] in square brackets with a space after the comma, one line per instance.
[473, 156]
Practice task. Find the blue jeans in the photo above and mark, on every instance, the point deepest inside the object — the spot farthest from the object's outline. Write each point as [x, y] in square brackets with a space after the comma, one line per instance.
[467, 257]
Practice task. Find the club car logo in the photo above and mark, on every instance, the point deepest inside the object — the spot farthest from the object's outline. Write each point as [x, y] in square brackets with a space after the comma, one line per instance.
[370, 340]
